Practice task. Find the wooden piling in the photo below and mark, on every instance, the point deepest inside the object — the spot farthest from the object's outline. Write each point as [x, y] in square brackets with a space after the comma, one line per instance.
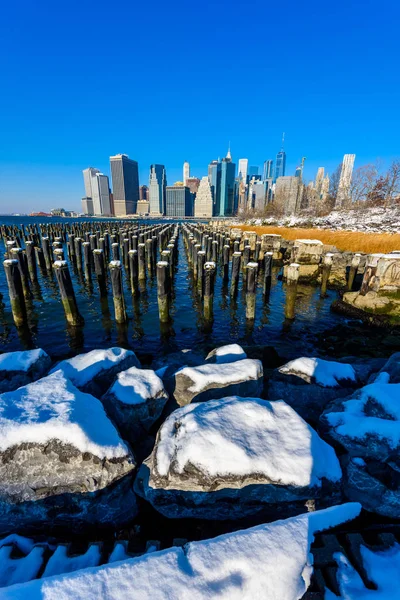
[292, 278]
[236, 260]
[163, 290]
[251, 285]
[208, 296]
[117, 291]
[67, 293]
[16, 293]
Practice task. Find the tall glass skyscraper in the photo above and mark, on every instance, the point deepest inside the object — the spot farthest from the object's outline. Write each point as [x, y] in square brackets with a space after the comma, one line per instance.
[214, 179]
[178, 201]
[280, 166]
[157, 185]
[268, 169]
[125, 181]
[227, 192]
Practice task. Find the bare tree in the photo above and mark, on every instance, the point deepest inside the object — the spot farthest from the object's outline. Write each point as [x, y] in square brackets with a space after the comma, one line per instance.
[363, 182]
[392, 182]
[334, 181]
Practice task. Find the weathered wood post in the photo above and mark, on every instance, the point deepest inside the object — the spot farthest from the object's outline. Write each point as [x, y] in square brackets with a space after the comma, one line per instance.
[31, 260]
[142, 261]
[163, 290]
[78, 253]
[18, 255]
[40, 258]
[67, 293]
[214, 251]
[196, 250]
[225, 261]
[47, 253]
[236, 259]
[251, 285]
[246, 256]
[267, 272]
[100, 270]
[16, 293]
[86, 259]
[115, 251]
[326, 270]
[355, 263]
[209, 281]
[149, 254]
[292, 278]
[125, 250]
[201, 259]
[133, 272]
[117, 291]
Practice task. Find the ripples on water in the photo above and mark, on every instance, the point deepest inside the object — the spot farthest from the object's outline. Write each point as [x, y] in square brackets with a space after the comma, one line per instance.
[48, 328]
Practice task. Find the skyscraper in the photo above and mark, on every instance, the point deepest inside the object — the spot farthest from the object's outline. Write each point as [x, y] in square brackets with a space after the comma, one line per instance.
[143, 192]
[178, 201]
[288, 194]
[87, 180]
[87, 206]
[157, 185]
[268, 169]
[343, 197]
[227, 191]
[319, 179]
[257, 190]
[186, 172]
[203, 204]
[101, 195]
[280, 165]
[214, 179]
[125, 181]
[243, 168]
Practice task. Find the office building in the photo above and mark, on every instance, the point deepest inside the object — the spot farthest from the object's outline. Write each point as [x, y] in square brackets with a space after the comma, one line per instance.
[268, 169]
[256, 195]
[319, 180]
[343, 197]
[101, 195]
[280, 165]
[178, 201]
[203, 204]
[157, 185]
[87, 206]
[243, 166]
[193, 184]
[227, 190]
[214, 179]
[125, 182]
[143, 192]
[186, 172]
[143, 207]
[87, 180]
[288, 194]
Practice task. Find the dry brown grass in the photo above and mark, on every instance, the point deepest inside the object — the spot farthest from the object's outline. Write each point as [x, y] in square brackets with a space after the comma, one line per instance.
[353, 241]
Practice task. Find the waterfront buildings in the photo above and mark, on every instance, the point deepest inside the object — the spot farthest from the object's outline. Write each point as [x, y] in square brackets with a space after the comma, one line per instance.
[343, 197]
[319, 180]
[288, 194]
[256, 194]
[203, 204]
[97, 189]
[226, 201]
[125, 182]
[88, 174]
[143, 207]
[268, 169]
[157, 185]
[87, 206]
[143, 192]
[193, 184]
[214, 179]
[243, 166]
[186, 172]
[178, 201]
[280, 165]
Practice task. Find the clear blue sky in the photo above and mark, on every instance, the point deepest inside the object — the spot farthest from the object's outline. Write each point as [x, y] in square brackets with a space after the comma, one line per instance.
[169, 81]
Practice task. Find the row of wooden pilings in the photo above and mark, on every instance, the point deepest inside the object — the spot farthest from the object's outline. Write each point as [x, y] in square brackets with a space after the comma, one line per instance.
[130, 248]
[207, 249]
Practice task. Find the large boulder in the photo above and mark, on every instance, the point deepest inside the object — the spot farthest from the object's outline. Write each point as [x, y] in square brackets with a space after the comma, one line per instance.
[134, 402]
[94, 372]
[62, 461]
[234, 457]
[21, 368]
[211, 381]
[391, 367]
[226, 354]
[309, 384]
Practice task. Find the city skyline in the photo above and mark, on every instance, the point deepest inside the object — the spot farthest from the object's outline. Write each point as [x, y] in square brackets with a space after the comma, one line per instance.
[66, 109]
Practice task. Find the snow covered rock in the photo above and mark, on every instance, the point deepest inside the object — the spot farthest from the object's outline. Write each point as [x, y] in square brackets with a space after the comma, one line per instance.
[392, 368]
[226, 354]
[62, 461]
[211, 381]
[382, 568]
[94, 372]
[21, 368]
[134, 402]
[233, 457]
[271, 562]
[367, 424]
[309, 384]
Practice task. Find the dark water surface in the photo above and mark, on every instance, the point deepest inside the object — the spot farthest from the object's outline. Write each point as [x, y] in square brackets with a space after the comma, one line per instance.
[315, 330]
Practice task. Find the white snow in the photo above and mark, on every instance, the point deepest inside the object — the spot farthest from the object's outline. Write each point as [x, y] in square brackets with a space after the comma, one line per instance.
[19, 570]
[228, 353]
[326, 373]
[119, 552]
[60, 562]
[20, 361]
[135, 386]
[223, 374]
[355, 423]
[84, 367]
[52, 408]
[271, 562]
[383, 569]
[243, 436]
